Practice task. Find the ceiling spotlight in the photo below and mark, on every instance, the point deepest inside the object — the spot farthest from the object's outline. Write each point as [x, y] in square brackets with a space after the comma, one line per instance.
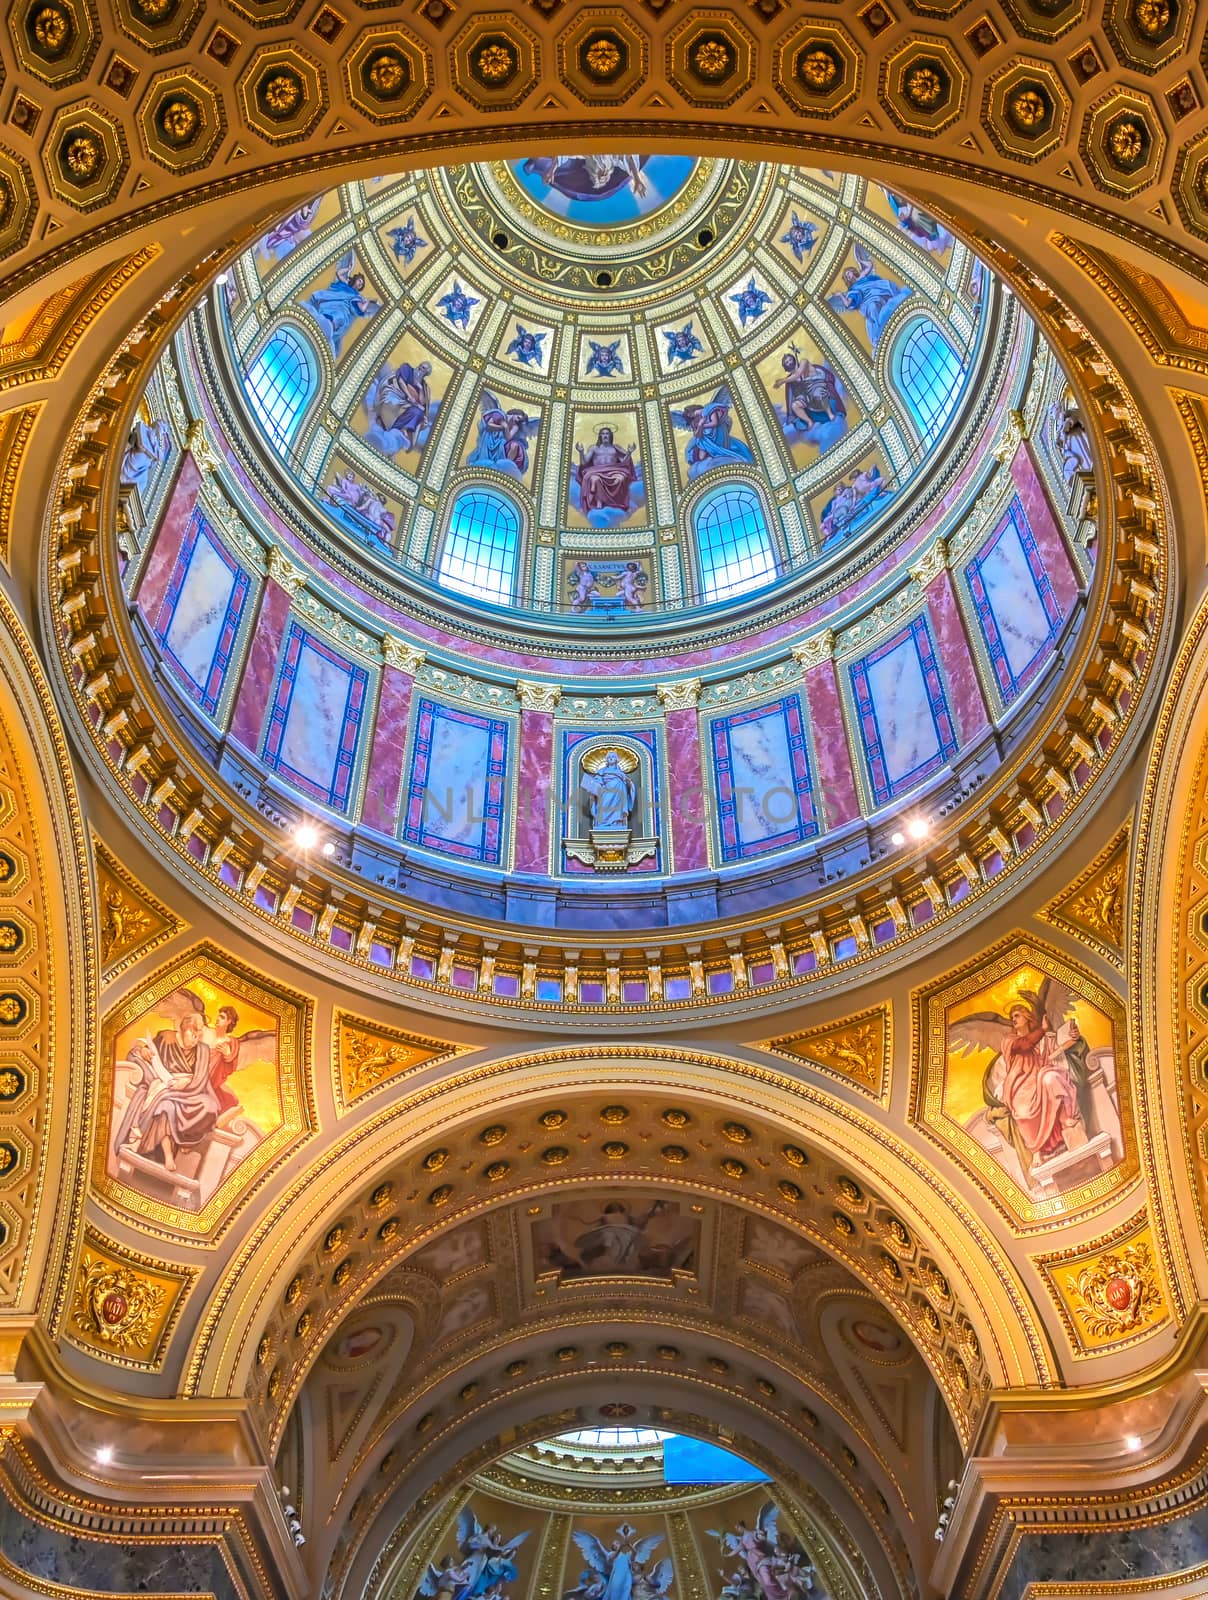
[1132, 1441]
[306, 837]
[918, 827]
[329, 848]
[897, 837]
[223, 277]
[104, 1455]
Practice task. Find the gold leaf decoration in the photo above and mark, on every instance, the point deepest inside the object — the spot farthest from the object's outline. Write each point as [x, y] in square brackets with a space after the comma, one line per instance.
[124, 1305]
[1109, 1293]
[856, 1049]
[132, 922]
[1092, 908]
[369, 1054]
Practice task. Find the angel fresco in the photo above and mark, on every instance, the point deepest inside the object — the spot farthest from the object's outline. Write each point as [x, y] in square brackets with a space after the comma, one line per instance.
[615, 1234]
[405, 241]
[504, 436]
[1050, 1115]
[180, 1126]
[589, 177]
[457, 305]
[869, 293]
[801, 237]
[751, 302]
[400, 407]
[623, 1570]
[682, 344]
[526, 346]
[150, 443]
[605, 360]
[711, 441]
[484, 1565]
[339, 306]
[918, 224]
[853, 499]
[360, 505]
[769, 1566]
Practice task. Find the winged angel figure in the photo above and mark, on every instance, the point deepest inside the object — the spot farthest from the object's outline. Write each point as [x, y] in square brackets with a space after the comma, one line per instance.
[483, 1566]
[180, 1095]
[769, 1566]
[868, 292]
[623, 1571]
[339, 306]
[1035, 1087]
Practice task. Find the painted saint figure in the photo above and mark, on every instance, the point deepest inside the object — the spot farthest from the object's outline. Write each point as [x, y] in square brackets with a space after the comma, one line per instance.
[360, 504]
[773, 1566]
[918, 224]
[870, 294]
[483, 1567]
[290, 232]
[400, 407]
[606, 474]
[852, 501]
[682, 344]
[338, 307]
[612, 792]
[1070, 440]
[623, 1570]
[405, 241]
[589, 177]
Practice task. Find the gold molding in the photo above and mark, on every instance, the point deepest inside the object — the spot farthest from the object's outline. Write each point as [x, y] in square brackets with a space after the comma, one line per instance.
[122, 944]
[1094, 908]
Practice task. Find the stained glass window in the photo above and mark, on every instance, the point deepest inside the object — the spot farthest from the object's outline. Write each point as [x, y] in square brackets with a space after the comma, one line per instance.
[481, 546]
[927, 371]
[733, 544]
[280, 383]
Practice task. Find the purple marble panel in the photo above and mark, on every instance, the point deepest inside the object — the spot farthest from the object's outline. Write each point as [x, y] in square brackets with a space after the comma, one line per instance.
[689, 837]
[169, 536]
[965, 695]
[385, 780]
[837, 791]
[256, 686]
[534, 791]
[1038, 510]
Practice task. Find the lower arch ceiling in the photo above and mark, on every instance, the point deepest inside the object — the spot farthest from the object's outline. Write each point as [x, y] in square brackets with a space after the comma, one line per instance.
[334, 1196]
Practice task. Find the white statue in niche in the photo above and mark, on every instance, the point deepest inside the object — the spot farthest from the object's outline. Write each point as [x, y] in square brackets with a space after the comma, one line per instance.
[613, 793]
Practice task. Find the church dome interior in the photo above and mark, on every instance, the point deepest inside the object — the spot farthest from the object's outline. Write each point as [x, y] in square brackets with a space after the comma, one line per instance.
[603, 840]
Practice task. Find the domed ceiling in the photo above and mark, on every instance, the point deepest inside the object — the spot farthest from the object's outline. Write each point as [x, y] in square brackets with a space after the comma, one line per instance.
[613, 353]
[607, 544]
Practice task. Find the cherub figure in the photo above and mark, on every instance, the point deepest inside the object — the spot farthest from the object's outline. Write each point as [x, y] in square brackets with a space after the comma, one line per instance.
[751, 301]
[682, 344]
[605, 360]
[801, 237]
[526, 347]
[457, 305]
[405, 241]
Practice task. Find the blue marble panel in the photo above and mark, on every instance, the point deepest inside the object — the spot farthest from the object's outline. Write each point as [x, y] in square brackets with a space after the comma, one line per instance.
[1014, 602]
[200, 616]
[457, 783]
[315, 719]
[762, 779]
[902, 711]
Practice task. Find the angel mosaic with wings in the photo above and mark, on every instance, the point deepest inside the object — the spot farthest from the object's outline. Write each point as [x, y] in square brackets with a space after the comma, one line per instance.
[484, 1565]
[623, 1570]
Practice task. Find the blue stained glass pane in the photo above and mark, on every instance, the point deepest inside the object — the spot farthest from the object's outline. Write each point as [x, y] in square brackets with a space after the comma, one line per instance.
[733, 544]
[479, 555]
[928, 372]
[280, 383]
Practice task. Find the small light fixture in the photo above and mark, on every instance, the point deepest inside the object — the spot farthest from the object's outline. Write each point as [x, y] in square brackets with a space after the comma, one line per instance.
[104, 1455]
[1133, 1441]
[222, 278]
[918, 827]
[306, 836]
[897, 837]
[329, 848]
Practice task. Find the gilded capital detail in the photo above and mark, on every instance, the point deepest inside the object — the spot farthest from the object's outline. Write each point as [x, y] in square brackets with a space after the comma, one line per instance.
[399, 653]
[813, 652]
[535, 696]
[680, 696]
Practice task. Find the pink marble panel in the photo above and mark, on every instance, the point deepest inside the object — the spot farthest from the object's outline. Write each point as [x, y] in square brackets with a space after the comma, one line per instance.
[836, 785]
[168, 537]
[686, 791]
[1049, 539]
[385, 778]
[256, 687]
[534, 793]
[965, 698]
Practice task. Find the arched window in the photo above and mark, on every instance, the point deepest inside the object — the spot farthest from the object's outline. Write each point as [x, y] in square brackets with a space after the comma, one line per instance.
[481, 546]
[928, 372]
[280, 383]
[733, 544]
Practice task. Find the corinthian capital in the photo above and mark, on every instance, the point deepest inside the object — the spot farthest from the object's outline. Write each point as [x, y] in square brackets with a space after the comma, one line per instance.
[283, 571]
[401, 654]
[813, 652]
[680, 696]
[538, 696]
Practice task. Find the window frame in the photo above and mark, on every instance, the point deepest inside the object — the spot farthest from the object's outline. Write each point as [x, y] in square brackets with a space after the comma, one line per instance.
[283, 439]
[509, 593]
[734, 588]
